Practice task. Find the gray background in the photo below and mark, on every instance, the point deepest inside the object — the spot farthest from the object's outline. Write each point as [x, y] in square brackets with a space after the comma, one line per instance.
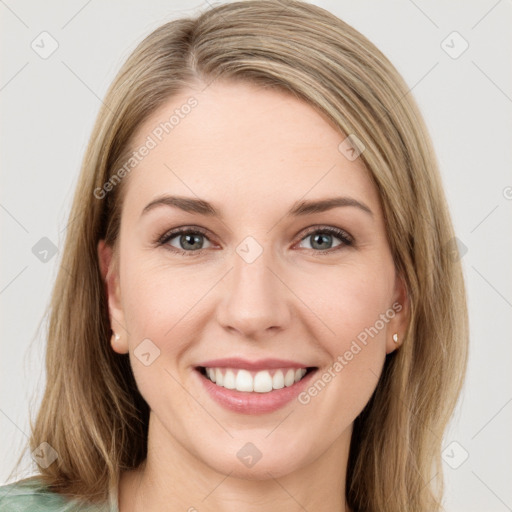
[48, 107]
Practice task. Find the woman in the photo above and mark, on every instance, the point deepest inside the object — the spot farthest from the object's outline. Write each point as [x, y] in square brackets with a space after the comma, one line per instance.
[255, 309]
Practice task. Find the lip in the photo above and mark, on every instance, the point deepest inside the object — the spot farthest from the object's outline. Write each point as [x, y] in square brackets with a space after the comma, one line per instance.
[244, 364]
[252, 403]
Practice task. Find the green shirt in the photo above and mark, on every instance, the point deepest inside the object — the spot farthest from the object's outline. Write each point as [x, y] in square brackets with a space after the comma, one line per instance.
[34, 496]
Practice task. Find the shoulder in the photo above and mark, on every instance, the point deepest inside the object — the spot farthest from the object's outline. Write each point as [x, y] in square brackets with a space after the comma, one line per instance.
[31, 494]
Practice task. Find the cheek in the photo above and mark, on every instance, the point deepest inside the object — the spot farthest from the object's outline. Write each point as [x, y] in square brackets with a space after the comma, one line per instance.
[349, 300]
[156, 298]
[163, 306]
[355, 305]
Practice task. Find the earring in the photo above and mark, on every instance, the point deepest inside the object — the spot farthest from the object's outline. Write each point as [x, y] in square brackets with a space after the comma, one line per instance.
[116, 336]
[395, 337]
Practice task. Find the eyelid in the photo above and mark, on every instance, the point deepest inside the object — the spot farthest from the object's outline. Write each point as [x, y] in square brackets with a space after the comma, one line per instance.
[163, 240]
[340, 233]
[171, 233]
[346, 238]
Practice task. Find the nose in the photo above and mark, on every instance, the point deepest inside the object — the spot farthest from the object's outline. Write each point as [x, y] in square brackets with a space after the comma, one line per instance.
[255, 302]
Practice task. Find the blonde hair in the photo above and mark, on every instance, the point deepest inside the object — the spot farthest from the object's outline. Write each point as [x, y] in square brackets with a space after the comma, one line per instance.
[92, 413]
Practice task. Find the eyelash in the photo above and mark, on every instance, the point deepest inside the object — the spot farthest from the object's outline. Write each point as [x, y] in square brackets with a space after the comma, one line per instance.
[346, 239]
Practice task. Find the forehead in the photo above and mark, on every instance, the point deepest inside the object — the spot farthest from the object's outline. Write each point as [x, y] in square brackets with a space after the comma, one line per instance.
[237, 141]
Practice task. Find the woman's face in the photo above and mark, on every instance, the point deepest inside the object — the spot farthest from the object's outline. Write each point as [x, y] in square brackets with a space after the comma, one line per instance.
[259, 284]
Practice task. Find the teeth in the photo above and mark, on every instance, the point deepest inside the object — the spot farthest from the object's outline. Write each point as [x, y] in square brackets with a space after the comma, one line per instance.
[278, 380]
[244, 381]
[289, 378]
[260, 382]
[229, 380]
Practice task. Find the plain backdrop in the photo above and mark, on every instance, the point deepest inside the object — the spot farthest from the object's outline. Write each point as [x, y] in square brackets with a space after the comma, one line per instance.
[48, 106]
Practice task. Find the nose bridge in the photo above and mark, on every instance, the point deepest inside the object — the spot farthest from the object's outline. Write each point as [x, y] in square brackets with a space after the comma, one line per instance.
[255, 300]
[251, 267]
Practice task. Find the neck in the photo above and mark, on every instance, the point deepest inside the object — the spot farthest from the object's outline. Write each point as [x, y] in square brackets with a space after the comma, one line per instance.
[172, 479]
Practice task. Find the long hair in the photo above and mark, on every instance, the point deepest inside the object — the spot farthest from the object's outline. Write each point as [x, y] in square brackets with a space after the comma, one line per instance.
[92, 414]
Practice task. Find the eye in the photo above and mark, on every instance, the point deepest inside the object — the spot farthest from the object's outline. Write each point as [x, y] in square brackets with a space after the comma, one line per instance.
[322, 239]
[186, 241]
[189, 241]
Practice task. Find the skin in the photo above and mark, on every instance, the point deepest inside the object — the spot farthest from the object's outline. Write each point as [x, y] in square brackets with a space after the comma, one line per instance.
[252, 153]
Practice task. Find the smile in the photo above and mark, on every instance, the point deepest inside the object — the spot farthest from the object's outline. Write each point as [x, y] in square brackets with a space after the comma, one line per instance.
[256, 388]
[263, 381]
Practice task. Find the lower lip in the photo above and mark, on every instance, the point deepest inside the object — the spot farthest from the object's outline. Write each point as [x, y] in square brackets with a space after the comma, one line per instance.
[253, 402]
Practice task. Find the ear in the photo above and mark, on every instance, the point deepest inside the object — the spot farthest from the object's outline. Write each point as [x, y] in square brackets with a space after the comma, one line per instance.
[400, 320]
[109, 268]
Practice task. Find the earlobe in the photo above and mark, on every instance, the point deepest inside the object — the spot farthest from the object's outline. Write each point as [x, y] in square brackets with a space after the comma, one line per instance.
[398, 324]
[118, 344]
[109, 272]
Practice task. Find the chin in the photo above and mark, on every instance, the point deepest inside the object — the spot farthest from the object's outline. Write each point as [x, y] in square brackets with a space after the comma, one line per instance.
[248, 462]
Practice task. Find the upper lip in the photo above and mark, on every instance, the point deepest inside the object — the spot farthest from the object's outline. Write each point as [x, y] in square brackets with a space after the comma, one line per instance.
[244, 364]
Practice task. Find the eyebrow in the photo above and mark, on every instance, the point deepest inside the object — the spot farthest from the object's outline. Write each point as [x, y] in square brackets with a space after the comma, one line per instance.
[299, 208]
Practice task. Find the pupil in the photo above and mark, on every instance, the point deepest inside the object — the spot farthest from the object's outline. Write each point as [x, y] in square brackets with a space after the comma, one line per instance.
[189, 240]
[321, 237]
[185, 240]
